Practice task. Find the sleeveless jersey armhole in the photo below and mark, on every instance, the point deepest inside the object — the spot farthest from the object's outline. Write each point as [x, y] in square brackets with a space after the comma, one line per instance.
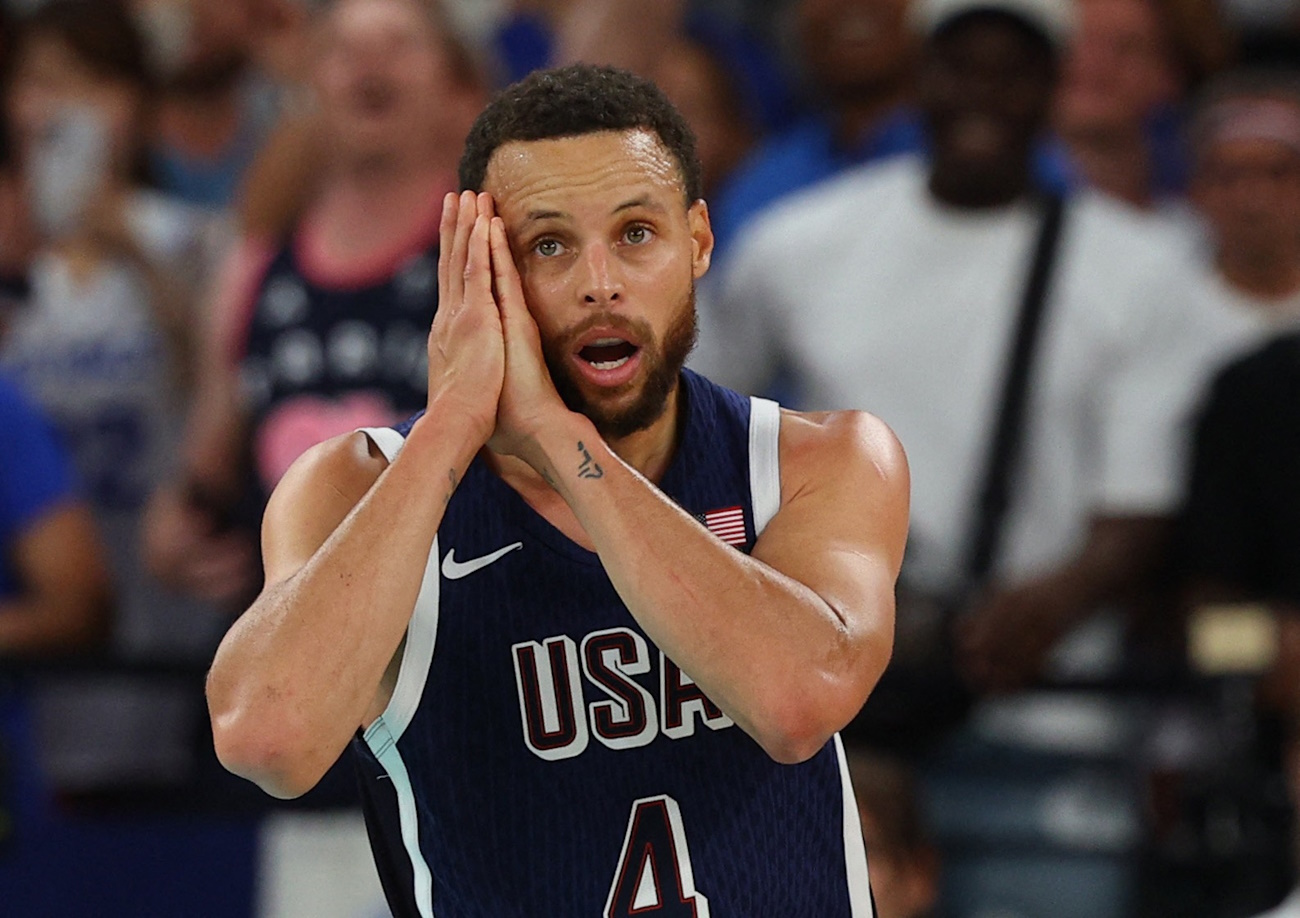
[764, 461]
[421, 633]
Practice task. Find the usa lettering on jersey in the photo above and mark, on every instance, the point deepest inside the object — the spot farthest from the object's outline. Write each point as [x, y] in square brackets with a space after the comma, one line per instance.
[558, 721]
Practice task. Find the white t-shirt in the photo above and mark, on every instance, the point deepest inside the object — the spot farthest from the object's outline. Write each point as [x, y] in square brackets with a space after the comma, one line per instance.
[1229, 322]
[876, 296]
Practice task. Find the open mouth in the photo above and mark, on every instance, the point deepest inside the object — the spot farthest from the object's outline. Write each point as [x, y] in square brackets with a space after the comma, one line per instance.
[608, 353]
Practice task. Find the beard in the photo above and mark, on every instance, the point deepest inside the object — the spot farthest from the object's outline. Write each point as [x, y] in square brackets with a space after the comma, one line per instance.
[662, 361]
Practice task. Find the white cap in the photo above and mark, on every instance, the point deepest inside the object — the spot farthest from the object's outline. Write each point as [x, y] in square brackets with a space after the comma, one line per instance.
[1055, 19]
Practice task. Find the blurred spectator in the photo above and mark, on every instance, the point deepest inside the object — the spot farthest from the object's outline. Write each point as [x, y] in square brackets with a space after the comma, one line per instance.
[53, 579]
[1119, 108]
[215, 106]
[904, 863]
[102, 341]
[708, 94]
[1290, 908]
[16, 242]
[1245, 138]
[895, 288]
[324, 330]
[53, 594]
[858, 59]
[1241, 526]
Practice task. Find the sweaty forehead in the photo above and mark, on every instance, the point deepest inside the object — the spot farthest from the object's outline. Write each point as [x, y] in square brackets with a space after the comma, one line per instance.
[584, 171]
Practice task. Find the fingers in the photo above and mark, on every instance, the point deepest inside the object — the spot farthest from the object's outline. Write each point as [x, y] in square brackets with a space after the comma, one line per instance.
[478, 262]
[505, 275]
[446, 232]
[466, 213]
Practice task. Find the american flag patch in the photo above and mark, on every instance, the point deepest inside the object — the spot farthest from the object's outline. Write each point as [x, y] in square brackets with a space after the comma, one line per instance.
[727, 524]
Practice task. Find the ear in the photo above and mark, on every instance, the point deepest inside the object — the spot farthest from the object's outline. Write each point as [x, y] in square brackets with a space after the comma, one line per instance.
[697, 218]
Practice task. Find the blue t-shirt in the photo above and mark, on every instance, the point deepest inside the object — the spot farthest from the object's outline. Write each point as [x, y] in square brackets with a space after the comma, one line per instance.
[34, 473]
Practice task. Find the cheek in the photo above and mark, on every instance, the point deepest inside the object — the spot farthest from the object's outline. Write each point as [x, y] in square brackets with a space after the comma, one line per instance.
[542, 292]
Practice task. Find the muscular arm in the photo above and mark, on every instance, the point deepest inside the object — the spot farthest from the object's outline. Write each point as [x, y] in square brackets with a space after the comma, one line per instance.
[345, 542]
[788, 641]
[64, 600]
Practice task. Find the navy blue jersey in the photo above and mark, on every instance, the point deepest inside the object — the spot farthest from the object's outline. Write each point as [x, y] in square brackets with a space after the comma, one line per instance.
[540, 755]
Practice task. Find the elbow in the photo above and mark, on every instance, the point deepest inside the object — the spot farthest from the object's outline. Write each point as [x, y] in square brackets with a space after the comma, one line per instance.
[793, 746]
[800, 723]
[264, 753]
[799, 728]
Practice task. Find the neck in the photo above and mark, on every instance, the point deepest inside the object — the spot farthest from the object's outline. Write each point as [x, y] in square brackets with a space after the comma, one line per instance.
[856, 116]
[381, 195]
[199, 126]
[1118, 164]
[649, 451]
[1269, 278]
[955, 188]
[360, 218]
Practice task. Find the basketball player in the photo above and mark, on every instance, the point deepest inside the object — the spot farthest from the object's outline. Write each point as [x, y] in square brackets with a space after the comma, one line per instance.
[572, 694]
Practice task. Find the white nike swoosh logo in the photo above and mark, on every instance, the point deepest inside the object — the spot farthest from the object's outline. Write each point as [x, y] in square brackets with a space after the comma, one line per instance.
[454, 570]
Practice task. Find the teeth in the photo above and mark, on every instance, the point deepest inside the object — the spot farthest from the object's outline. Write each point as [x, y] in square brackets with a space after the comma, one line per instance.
[609, 364]
[607, 342]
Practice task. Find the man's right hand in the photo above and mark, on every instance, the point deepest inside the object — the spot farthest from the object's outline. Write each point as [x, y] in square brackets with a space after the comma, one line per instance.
[466, 342]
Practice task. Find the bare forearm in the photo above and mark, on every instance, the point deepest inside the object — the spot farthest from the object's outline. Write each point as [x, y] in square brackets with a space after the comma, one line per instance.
[1121, 555]
[299, 671]
[765, 648]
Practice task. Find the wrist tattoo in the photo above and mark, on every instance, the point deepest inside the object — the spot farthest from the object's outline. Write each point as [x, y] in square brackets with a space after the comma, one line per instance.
[589, 468]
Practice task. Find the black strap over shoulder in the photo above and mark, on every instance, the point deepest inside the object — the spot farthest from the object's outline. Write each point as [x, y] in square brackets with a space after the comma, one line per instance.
[994, 495]
[921, 696]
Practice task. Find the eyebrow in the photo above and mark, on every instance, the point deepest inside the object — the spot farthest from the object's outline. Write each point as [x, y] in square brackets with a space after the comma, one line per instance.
[534, 215]
[641, 201]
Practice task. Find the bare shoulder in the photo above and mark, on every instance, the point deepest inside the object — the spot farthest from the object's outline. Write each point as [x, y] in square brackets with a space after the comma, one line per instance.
[839, 449]
[845, 495]
[317, 492]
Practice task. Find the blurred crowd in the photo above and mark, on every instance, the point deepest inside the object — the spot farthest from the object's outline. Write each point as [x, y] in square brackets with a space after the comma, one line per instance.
[1054, 244]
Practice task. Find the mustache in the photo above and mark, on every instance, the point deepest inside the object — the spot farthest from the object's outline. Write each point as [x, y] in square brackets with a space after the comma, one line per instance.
[637, 329]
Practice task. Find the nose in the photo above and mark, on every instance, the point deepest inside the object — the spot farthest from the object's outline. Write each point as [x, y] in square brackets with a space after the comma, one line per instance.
[601, 282]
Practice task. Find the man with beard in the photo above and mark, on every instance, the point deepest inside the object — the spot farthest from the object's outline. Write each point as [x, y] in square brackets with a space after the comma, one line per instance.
[579, 523]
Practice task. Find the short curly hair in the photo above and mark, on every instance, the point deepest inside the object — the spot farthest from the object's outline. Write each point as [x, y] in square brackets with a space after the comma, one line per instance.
[573, 101]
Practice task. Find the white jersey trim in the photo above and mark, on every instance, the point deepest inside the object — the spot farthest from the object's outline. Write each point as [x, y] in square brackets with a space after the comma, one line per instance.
[855, 849]
[384, 745]
[764, 461]
[422, 632]
[389, 441]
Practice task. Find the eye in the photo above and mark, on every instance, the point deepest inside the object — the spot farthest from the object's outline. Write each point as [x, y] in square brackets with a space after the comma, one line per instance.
[636, 235]
[547, 248]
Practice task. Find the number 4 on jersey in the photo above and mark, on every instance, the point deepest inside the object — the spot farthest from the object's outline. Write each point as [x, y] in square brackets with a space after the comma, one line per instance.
[654, 873]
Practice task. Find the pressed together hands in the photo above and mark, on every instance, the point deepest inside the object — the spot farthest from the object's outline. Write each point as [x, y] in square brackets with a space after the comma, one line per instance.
[485, 350]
